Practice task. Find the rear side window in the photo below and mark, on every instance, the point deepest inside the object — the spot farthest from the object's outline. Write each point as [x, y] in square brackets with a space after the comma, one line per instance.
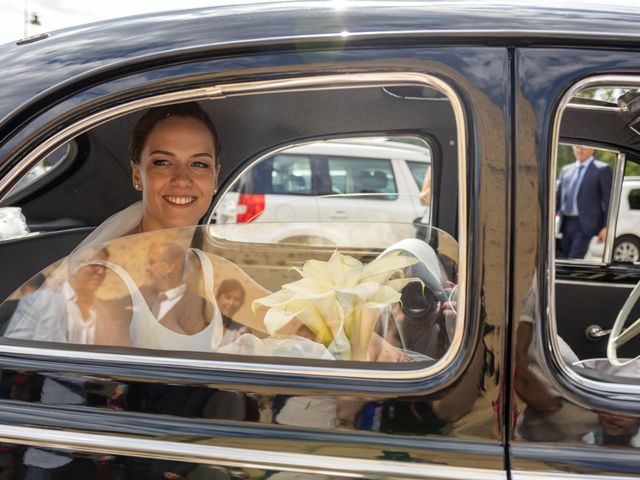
[291, 175]
[361, 175]
[634, 199]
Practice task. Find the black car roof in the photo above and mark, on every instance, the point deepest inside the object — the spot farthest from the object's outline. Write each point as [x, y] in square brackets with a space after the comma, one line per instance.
[32, 69]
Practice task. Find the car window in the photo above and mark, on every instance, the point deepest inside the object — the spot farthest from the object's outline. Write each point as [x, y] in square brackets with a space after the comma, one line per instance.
[357, 176]
[595, 240]
[341, 276]
[291, 175]
[634, 198]
[418, 172]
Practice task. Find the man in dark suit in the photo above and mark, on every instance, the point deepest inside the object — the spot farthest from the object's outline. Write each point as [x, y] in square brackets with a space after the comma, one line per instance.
[582, 201]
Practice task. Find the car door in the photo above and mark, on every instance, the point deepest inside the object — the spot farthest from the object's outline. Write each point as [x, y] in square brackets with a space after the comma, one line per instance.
[576, 405]
[101, 411]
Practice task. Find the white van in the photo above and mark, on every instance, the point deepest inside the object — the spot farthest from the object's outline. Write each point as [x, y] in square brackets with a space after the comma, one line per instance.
[319, 188]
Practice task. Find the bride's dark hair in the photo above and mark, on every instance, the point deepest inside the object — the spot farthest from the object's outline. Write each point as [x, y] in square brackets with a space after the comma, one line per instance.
[156, 114]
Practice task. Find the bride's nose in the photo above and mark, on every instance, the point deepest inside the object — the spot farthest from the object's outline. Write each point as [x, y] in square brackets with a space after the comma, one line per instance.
[181, 176]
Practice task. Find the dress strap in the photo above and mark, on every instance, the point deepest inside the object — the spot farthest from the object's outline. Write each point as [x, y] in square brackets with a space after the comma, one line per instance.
[134, 292]
[210, 295]
[143, 323]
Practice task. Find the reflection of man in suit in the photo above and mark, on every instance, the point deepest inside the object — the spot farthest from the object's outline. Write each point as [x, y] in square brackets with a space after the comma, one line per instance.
[582, 200]
[172, 303]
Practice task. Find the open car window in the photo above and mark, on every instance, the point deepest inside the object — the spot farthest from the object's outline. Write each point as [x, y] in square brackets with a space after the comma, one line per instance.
[596, 240]
[208, 290]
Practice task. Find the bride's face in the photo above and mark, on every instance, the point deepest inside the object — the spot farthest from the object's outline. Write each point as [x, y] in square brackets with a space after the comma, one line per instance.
[177, 173]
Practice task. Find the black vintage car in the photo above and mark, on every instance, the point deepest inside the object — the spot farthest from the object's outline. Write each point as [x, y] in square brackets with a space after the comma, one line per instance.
[492, 348]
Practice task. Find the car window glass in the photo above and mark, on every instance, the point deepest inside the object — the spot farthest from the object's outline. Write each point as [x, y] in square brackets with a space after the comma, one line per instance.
[280, 212]
[626, 246]
[359, 176]
[418, 172]
[203, 290]
[595, 285]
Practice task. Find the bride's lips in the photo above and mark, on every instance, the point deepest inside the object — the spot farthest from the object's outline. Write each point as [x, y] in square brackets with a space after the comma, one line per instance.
[179, 200]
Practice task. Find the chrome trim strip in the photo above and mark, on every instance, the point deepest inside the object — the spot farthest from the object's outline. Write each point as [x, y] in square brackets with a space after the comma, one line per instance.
[239, 457]
[601, 387]
[295, 84]
[582, 106]
[595, 284]
[614, 207]
[574, 261]
[544, 475]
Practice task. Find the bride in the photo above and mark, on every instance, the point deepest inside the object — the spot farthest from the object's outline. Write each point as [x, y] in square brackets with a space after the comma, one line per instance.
[175, 160]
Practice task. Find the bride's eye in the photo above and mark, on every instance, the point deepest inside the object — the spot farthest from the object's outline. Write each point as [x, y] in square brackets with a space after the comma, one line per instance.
[199, 164]
[160, 162]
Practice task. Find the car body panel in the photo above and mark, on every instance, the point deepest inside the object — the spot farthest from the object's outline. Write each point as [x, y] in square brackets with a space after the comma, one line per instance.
[471, 414]
[510, 65]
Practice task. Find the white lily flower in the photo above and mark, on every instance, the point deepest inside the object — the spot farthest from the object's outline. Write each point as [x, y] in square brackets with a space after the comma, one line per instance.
[339, 300]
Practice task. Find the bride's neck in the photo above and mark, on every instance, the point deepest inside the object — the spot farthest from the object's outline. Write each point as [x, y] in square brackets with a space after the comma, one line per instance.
[179, 235]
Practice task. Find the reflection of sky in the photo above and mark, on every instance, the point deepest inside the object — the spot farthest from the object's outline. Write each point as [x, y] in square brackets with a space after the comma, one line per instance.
[537, 67]
[76, 50]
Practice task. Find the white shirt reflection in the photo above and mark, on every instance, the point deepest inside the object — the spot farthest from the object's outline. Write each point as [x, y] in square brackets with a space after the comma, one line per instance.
[171, 297]
[80, 330]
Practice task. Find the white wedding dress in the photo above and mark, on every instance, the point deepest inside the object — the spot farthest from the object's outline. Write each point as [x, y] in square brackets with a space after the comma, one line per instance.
[147, 332]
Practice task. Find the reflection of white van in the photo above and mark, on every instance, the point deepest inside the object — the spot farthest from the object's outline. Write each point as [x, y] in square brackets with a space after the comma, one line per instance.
[333, 181]
[626, 247]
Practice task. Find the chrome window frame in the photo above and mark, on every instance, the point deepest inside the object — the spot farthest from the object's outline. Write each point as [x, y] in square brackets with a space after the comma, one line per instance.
[607, 388]
[326, 82]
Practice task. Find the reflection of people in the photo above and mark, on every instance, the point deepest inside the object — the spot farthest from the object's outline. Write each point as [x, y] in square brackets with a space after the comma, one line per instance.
[425, 196]
[547, 415]
[173, 304]
[582, 200]
[425, 191]
[615, 430]
[230, 298]
[64, 313]
[9, 307]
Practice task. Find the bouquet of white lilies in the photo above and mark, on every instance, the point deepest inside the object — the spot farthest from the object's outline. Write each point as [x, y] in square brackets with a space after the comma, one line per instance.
[339, 300]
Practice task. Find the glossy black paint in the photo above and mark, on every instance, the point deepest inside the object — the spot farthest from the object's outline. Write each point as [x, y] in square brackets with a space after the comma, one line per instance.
[462, 400]
[543, 77]
[509, 94]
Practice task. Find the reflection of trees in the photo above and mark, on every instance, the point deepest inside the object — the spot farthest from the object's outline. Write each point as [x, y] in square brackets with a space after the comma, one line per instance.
[565, 157]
